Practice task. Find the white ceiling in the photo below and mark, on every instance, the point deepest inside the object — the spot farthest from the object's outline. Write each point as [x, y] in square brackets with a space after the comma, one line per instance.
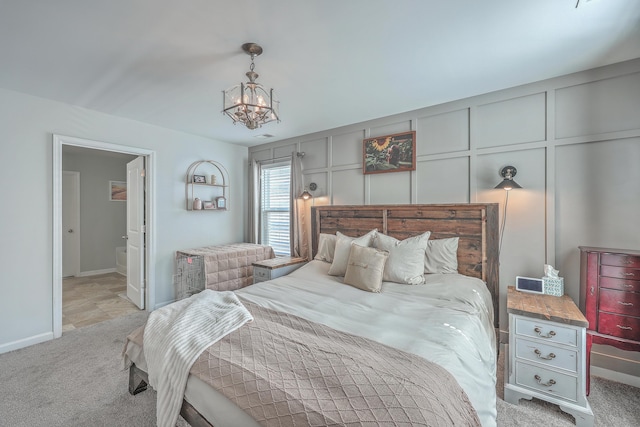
[331, 62]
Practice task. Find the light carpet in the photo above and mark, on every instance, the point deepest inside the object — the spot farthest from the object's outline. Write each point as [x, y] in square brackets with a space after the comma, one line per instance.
[77, 380]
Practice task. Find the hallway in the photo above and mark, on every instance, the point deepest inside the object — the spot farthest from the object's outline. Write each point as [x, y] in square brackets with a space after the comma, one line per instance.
[94, 299]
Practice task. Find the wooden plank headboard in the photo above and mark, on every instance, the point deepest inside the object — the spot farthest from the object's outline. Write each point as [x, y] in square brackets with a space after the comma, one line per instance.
[475, 224]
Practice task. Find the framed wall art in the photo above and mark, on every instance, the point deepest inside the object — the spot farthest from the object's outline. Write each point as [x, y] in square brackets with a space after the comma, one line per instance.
[118, 191]
[389, 153]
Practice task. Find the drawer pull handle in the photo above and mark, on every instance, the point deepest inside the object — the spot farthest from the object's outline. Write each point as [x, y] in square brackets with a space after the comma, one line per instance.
[626, 328]
[540, 356]
[547, 384]
[551, 334]
[592, 289]
[625, 303]
[628, 274]
[624, 285]
[627, 261]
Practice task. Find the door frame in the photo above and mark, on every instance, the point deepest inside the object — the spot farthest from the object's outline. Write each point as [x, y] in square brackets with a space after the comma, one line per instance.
[150, 196]
[76, 236]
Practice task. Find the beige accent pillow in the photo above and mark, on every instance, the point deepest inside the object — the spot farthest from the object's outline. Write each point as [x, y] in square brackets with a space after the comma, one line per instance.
[326, 247]
[365, 268]
[343, 247]
[442, 256]
[406, 258]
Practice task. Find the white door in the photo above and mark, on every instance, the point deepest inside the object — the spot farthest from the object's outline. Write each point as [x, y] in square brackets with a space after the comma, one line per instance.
[135, 232]
[70, 223]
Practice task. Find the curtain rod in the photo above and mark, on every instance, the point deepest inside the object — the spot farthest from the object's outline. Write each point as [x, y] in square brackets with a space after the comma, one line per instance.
[275, 159]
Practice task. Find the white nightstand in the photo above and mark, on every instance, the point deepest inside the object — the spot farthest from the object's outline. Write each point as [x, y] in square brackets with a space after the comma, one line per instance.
[275, 267]
[546, 353]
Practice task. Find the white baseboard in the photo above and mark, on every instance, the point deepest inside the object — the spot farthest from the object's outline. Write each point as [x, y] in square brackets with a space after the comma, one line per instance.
[26, 342]
[619, 377]
[96, 272]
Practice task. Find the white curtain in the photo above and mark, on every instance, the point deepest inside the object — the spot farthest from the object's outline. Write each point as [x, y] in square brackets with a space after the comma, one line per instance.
[299, 240]
[255, 172]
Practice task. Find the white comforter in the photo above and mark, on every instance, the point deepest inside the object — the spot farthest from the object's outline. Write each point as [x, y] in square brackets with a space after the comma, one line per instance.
[447, 320]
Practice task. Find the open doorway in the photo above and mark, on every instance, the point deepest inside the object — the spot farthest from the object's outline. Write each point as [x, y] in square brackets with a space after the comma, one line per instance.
[93, 273]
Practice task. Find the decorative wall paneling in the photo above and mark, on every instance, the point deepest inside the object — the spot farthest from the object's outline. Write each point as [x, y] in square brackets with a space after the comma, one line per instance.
[575, 141]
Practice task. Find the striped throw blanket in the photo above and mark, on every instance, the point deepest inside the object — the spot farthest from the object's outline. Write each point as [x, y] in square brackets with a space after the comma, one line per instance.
[174, 337]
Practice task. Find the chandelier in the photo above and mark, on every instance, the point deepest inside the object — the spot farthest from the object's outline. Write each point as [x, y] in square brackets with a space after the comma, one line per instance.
[249, 103]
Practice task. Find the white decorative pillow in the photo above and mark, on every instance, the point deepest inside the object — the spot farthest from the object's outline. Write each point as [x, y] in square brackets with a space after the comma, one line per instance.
[406, 258]
[326, 247]
[442, 256]
[343, 247]
[365, 268]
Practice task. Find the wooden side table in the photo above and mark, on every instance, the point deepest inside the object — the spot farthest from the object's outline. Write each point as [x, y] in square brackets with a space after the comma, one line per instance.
[275, 267]
[547, 353]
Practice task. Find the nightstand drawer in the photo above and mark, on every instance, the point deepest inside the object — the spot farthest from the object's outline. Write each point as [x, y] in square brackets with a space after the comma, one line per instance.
[549, 355]
[621, 260]
[261, 274]
[549, 382]
[551, 332]
[620, 302]
[626, 327]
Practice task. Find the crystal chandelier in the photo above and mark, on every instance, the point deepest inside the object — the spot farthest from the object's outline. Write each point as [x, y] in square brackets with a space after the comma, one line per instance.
[249, 103]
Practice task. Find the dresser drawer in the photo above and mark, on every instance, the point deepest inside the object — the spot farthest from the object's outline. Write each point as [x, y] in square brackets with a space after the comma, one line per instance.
[620, 284]
[546, 354]
[550, 332]
[627, 327]
[620, 260]
[546, 381]
[620, 302]
[620, 272]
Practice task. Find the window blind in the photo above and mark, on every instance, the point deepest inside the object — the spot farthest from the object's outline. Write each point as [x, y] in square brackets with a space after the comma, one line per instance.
[274, 206]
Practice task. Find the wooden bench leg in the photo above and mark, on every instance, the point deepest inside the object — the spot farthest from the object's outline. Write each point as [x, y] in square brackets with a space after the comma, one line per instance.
[138, 380]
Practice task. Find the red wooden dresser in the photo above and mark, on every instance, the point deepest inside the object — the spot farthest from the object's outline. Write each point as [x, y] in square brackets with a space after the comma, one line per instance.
[610, 297]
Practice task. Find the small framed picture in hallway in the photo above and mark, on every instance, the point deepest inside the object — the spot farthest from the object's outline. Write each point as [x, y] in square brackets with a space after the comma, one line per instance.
[118, 191]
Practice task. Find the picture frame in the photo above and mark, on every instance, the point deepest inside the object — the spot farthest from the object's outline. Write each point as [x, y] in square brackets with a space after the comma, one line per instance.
[199, 179]
[221, 203]
[117, 191]
[208, 204]
[389, 153]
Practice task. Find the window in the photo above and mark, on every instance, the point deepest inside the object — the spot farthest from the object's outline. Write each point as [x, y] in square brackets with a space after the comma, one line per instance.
[275, 193]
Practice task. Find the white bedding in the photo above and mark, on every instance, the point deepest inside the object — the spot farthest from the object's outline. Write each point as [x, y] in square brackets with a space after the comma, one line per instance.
[447, 320]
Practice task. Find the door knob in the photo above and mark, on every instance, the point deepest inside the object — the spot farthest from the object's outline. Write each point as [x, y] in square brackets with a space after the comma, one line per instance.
[70, 230]
[125, 237]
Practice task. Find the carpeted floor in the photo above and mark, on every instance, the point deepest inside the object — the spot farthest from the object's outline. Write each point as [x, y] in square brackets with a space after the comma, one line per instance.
[78, 381]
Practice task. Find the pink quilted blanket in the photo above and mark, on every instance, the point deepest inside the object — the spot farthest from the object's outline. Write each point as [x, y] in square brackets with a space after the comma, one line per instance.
[284, 370]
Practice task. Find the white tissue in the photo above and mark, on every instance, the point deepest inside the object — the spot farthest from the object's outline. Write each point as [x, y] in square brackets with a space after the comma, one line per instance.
[550, 272]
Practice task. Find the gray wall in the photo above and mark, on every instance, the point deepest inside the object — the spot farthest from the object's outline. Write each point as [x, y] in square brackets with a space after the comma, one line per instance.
[102, 222]
[575, 141]
[27, 124]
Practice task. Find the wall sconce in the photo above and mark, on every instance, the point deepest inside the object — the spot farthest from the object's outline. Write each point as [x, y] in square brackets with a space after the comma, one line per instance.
[507, 173]
[305, 194]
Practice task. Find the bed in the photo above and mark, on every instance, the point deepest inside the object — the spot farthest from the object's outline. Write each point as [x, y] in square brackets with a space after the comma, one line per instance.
[448, 320]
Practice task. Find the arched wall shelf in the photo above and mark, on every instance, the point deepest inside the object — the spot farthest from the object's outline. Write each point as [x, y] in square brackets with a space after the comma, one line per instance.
[213, 193]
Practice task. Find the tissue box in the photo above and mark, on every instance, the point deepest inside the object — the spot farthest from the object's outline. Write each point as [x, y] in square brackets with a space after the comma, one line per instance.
[553, 286]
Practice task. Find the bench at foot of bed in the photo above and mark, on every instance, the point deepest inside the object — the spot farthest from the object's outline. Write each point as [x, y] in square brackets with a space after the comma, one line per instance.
[138, 382]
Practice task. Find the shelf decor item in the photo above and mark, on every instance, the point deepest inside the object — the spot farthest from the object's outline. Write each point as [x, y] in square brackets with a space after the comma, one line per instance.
[197, 204]
[208, 204]
[389, 153]
[221, 203]
[199, 179]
